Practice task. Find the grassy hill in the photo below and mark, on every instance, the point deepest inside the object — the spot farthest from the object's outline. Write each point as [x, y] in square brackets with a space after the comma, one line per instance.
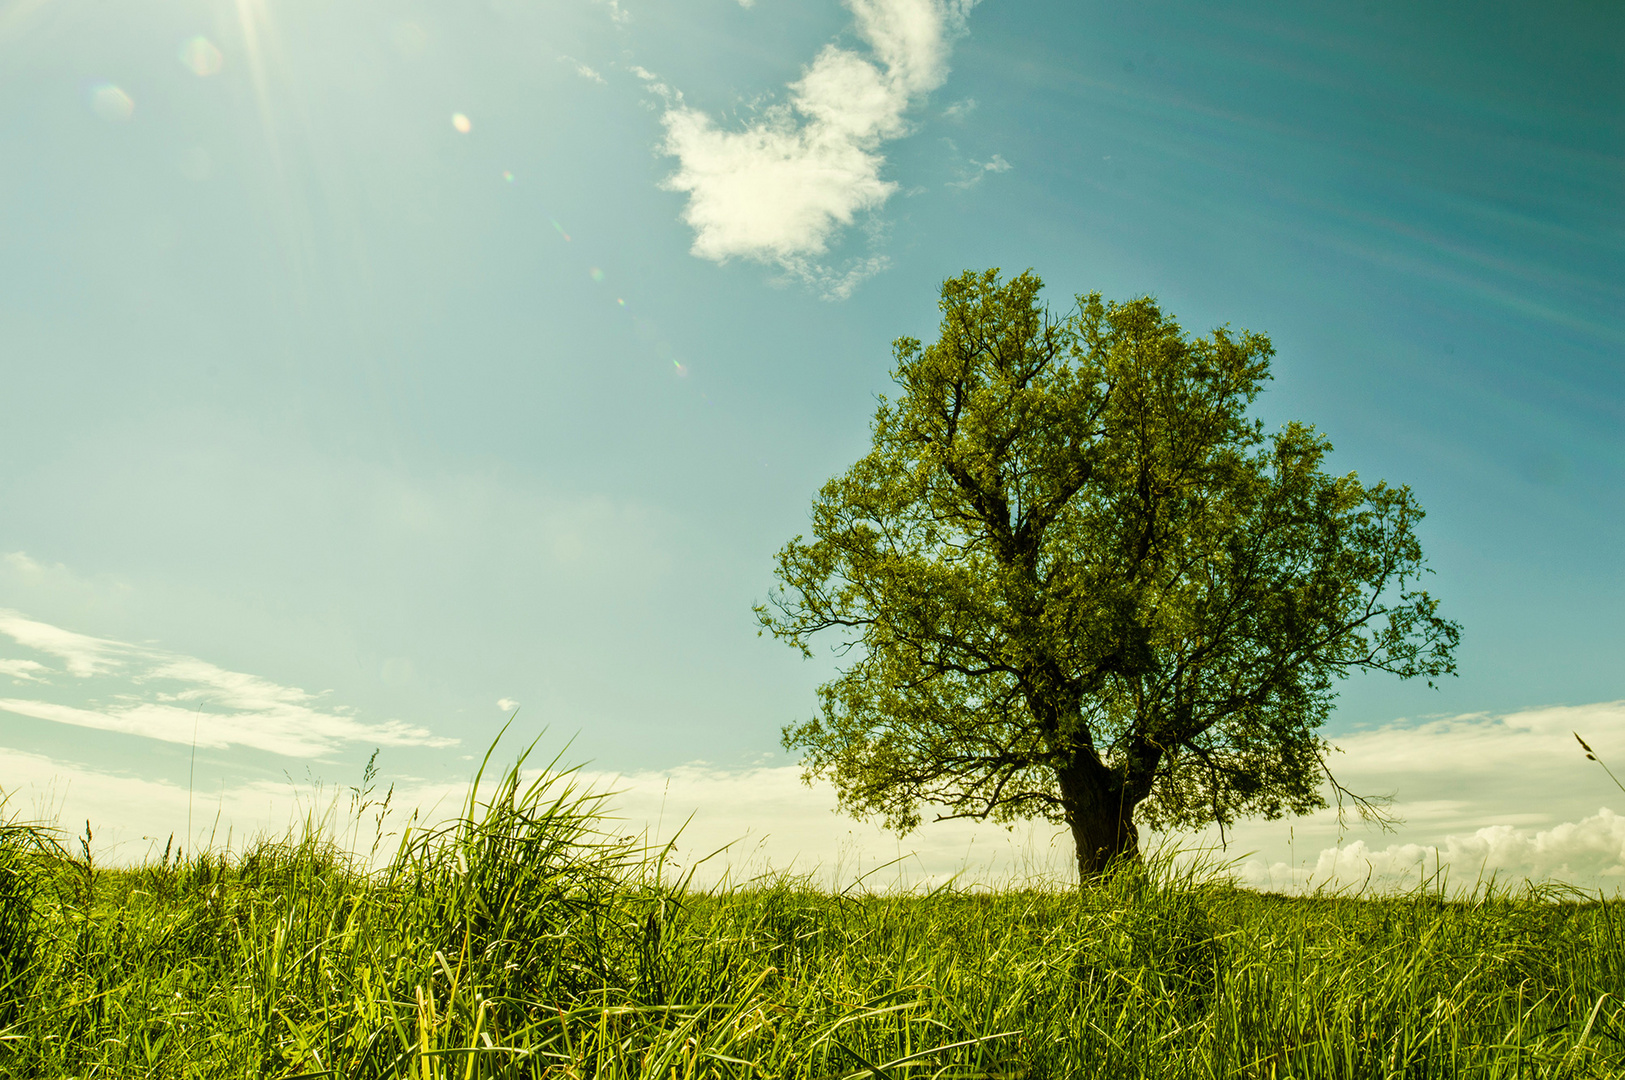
[521, 941]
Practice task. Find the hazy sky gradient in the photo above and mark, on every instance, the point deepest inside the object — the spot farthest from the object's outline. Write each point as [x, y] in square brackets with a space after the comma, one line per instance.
[337, 424]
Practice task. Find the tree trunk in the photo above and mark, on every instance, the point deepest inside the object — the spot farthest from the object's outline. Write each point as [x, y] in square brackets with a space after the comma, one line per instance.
[1100, 811]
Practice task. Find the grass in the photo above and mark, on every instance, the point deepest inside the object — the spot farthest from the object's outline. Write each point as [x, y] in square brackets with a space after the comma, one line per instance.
[523, 941]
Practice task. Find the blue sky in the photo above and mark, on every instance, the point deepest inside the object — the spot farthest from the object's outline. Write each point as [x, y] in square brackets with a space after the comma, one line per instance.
[372, 364]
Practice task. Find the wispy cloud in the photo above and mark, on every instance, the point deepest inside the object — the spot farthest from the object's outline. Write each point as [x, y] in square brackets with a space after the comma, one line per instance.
[175, 698]
[1538, 743]
[978, 170]
[81, 656]
[617, 13]
[28, 670]
[584, 70]
[779, 189]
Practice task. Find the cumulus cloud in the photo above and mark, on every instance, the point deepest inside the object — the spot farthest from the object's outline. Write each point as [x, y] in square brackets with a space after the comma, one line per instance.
[779, 189]
[1589, 853]
[175, 698]
[1510, 794]
[1593, 847]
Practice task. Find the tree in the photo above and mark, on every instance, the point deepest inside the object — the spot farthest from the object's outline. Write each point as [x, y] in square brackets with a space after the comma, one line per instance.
[1074, 580]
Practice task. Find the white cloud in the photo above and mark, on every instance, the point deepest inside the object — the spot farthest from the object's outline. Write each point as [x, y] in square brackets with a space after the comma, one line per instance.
[1511, 794]
[585, 71]
[779, 189]
[1508, 795]
[831, 283]
[179, 699]
[20, 561]
[738, 823]
[1589, 853]
[131, 816]
[617, 13]
[980, 169]
[82, 656]
[1459, 784]
[1593, 847]
[1456, 770]
[507, 705]
[22, 669]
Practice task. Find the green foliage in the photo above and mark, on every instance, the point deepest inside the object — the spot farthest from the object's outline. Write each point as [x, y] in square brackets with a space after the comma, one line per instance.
[1073, 577]
[21, 851]
[522, 941]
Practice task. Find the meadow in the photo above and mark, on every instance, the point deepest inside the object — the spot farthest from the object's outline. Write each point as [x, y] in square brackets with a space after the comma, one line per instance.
[524, 939]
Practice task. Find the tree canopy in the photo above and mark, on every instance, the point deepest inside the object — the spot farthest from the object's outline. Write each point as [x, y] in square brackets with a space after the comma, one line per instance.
[1074, 579]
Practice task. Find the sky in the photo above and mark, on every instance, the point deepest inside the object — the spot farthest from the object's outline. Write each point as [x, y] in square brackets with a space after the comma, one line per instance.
[376, 373]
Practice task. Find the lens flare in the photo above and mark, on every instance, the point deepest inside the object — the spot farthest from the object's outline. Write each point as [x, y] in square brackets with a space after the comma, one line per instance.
[596, 274]
[682, 371]
[560, 228]
[508, 176]
[111, 103]
[462, 123]
[200, 56]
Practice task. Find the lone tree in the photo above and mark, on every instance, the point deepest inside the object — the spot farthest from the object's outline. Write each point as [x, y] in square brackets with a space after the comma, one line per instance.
[1074, 580]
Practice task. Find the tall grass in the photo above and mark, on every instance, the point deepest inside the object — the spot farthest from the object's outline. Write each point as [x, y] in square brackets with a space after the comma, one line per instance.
[523, 940]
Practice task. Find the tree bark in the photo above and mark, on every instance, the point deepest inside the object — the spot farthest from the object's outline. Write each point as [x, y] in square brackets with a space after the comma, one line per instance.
[1100, 811]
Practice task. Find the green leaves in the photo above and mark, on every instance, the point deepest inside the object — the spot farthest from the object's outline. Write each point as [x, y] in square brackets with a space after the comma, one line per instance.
[1072, 550]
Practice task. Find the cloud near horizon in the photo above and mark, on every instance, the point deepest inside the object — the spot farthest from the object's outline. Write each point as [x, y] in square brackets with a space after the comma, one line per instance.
[778, 190]
[1505, 796]
[180, 699]
[1591, 848]
[738, 823]
[1510, 796]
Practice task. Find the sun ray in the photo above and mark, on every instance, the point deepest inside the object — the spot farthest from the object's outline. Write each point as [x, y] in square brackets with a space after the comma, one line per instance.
[290, 213]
